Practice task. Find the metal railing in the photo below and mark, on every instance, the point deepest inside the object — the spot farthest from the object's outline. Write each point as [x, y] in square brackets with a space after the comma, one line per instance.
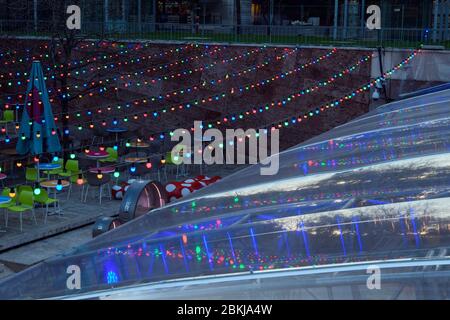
[289, 35]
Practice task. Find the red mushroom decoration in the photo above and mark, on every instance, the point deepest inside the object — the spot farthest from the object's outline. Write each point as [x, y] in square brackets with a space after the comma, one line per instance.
[173, 190]
[195, 184]
[215, 179]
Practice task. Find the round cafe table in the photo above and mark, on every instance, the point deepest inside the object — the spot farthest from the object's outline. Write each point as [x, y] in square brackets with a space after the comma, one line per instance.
[51, 184]
[97, 155]
[141, 144]
[3, 200]
[48, 167]
[104, 170]
[135, 160]
[117, 130]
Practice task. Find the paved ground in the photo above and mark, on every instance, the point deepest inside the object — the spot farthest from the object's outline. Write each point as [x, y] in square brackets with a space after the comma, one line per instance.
[75, 214]
[43, 249]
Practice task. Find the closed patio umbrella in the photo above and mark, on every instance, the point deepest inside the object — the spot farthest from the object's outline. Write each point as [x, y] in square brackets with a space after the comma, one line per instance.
[37, 132]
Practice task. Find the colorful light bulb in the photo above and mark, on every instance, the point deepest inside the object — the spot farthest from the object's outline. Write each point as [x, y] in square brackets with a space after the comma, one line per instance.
[59, 186]
[37, 190]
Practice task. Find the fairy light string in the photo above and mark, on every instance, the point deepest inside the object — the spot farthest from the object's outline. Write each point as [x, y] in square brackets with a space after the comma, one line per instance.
[162, 97]
[299, 119]
[143, 59]
[100, 59]
[205, 100]
[103, 83]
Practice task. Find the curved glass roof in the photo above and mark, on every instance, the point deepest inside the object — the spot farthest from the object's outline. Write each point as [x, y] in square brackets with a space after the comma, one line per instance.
[376, 188]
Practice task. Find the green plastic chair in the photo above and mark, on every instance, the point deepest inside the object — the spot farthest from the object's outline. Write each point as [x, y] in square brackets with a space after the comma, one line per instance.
[113, 156]
[168, 158]
[4, 206]
[43, 199]
[31, 175]
[171, 165]
[8, 117]
[6, 191]
[21, 189]
[72, 170]
[55, 171]
[26, 203]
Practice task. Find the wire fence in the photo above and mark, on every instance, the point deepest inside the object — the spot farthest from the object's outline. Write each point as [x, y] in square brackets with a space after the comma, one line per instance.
[289, 35]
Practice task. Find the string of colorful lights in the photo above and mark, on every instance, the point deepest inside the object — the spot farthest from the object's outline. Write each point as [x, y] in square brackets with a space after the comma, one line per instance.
[313, 112]
[180, 91]
[187, 105]
[335, 103]
[99, 58]
[118, 64]
[338, 102]
[150, 83]
[175, 92]
[284, 101]
[104, 82]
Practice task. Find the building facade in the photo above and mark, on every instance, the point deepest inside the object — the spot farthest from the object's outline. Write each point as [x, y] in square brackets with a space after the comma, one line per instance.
[399, 14]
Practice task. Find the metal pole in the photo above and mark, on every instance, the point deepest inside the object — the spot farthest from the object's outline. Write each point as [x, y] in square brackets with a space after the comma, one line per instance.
[139, 4]
[124, 16]
[441, 19]
[271, 19]
[154, 15]
[435, 19]
[345, 18]
[336, 16]
[271, 11]
[123, 11]
[204, 13]
[35, 14]
[380, 61]
[447, 4]
[363, 15]
[105, 13]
